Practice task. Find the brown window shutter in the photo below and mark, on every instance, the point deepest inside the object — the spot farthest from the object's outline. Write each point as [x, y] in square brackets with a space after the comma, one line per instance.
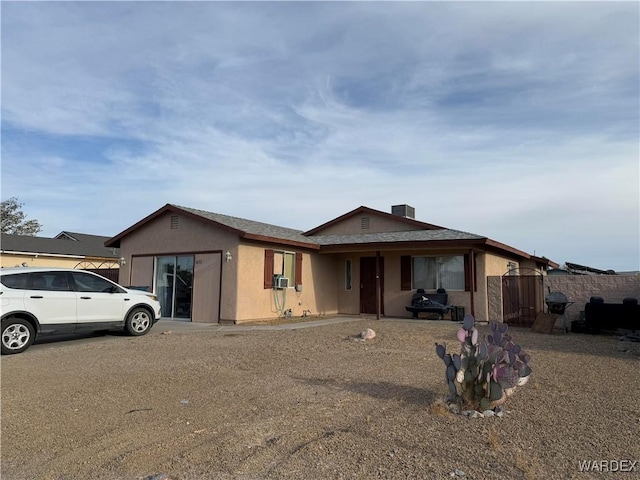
[405, 272]
[268, 269]
[468, 281]
[298, 269]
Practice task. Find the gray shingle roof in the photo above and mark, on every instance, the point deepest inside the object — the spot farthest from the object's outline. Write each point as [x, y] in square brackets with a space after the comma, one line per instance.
[260, 231]
[87, 246]
[390, 237]
[251, 226]
[273, 231]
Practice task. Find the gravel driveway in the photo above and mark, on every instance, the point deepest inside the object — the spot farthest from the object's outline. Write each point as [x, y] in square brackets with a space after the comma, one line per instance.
[311, 403]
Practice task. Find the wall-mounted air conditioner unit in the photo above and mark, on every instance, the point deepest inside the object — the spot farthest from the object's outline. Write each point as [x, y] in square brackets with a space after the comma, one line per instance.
[281, 282]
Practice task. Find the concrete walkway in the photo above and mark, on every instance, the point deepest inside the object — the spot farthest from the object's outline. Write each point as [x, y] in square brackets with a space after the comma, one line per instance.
[178, 326]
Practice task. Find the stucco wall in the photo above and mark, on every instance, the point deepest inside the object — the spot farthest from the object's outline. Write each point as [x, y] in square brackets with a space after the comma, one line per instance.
[496, 265]
[348, 300]
[377, 224]
[43, 260]
[244, 274]
[317, 297]
[158, 238]
[580, 288]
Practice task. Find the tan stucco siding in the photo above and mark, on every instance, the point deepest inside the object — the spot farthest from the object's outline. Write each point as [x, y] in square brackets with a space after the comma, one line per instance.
[395, 299]
[320, 293]
[348, 300]
[158, 238]
[375, 223]
[496, 265]
[207, 271]
[527, 267]
[316, 297]
[44, 260]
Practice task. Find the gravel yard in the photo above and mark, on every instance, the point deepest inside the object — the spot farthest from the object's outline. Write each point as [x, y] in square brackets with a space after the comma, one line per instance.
[312, 403]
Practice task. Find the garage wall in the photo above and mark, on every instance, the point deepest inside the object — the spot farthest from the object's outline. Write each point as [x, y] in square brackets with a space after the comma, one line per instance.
[206, 287]
[164, 236]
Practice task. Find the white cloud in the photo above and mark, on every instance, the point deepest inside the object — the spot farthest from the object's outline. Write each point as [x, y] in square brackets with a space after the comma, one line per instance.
[509, 120]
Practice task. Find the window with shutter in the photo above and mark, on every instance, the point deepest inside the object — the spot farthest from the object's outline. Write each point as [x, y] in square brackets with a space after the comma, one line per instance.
[431, 273]
[405, 272]
[469, 274]
[268, 269]
[287, 264]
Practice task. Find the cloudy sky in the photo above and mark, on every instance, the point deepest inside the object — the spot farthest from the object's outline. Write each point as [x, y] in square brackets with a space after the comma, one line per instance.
[517, 121]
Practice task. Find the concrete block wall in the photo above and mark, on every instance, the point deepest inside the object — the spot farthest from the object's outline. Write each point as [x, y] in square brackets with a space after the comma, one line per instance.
[494, 299]
[580, 288]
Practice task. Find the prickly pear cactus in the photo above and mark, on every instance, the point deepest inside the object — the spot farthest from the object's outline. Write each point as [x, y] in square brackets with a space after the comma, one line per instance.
[485, 372]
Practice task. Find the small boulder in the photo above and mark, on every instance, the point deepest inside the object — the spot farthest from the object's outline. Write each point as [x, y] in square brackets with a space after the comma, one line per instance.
[367, 334]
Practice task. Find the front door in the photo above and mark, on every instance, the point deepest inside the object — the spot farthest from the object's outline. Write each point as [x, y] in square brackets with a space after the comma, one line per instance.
[368, 284]
[174, 286]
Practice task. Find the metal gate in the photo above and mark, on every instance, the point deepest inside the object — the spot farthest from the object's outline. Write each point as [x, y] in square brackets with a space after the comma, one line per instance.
[110, 273]
[522, 299]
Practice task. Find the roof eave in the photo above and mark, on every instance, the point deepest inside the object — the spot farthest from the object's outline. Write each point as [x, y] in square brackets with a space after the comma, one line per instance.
[280, 241]
[403, 245]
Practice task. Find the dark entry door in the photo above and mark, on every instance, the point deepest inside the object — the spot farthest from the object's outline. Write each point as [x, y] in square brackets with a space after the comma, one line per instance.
[521, 299]
[368, 284]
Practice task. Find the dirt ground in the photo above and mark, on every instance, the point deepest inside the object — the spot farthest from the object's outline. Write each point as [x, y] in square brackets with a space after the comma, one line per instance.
[312, 403]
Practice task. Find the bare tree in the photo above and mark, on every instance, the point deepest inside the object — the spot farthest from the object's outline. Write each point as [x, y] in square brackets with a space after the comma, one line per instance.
[14, 220]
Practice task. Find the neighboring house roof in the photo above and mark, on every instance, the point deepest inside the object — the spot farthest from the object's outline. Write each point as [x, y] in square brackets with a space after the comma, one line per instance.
[82, 237]
[576, 269]
[83, 246]
[425, 232]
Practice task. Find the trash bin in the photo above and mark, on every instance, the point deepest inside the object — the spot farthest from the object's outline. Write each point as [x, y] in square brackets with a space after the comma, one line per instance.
[457, 314]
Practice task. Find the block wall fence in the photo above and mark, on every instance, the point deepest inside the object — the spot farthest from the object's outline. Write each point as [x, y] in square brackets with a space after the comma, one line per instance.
[578, 289]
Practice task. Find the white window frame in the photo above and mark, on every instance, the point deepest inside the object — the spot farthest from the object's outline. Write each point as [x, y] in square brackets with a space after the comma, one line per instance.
[440, 261]
[281, 269]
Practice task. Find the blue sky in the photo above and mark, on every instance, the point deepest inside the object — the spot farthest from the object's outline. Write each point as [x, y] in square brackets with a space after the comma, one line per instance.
[517, 121]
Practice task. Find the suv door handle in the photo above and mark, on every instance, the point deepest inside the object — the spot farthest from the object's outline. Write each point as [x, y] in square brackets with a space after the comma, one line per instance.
[36, 296]
[85, 298]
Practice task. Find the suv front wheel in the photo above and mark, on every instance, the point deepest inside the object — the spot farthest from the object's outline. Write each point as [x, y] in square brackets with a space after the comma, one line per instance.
[17, 335]
[138, 321]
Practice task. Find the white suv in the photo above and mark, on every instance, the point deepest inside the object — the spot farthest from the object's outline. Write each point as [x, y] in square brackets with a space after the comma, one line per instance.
[46, 301]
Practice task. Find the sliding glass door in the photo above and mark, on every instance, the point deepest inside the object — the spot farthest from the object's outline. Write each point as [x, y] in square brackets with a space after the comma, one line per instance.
[174, 286]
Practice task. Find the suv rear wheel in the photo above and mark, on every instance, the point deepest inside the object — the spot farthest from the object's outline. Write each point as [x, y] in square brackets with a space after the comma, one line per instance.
[17, 335]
